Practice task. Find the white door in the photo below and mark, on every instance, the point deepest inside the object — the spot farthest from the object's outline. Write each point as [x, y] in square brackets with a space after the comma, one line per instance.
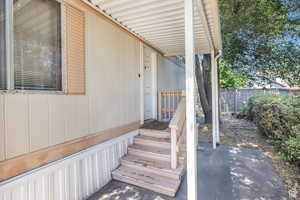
[148, 80]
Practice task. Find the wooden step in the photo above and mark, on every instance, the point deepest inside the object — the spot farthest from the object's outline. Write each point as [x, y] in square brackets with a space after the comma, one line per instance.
[153, 141]
[155, 133]
[159, 167]
[147, 180]
[150, 152]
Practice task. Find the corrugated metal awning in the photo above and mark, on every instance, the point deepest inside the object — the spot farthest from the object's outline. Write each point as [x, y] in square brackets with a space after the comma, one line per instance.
[160, 23]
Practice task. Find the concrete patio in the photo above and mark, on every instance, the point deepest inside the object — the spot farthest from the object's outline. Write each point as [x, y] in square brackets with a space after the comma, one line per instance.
[228, 173]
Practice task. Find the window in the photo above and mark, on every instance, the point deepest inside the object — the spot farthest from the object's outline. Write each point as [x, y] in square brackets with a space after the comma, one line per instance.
[31, 46]
[2, 47]
[37, 45]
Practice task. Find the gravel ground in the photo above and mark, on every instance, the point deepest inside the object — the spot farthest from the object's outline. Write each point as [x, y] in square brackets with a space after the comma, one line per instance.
[243, 133]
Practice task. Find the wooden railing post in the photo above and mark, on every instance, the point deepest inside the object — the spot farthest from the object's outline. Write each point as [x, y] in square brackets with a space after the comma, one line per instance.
[165, 105]
[159, 107]
[177, 125]
[173, 148]
[169, 105]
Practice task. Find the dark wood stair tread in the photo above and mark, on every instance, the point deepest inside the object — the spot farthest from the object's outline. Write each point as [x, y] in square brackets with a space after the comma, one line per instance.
[147, 180]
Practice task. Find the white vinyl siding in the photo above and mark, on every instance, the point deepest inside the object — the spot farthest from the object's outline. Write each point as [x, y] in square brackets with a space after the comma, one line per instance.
[170, 77]
[111, 98]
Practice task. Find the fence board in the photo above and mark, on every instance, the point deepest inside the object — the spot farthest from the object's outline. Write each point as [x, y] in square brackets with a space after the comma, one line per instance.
[231, 100]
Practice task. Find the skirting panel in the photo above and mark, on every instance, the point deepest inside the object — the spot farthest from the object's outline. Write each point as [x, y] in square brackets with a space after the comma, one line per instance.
[73, 178]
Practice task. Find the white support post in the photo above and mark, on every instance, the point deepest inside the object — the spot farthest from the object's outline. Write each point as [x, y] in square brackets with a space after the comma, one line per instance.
[214, 102]
[217, 102]
[190, 101]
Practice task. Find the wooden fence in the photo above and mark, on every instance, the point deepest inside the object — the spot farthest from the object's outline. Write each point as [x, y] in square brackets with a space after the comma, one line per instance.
[234, 100]
[231, 100]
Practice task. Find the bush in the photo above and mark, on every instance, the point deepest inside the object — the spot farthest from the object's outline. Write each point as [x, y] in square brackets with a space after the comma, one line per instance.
[291, 150]
[278, 117]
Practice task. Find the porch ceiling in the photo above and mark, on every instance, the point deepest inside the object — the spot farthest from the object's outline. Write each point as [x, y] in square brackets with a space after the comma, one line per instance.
[160, 23]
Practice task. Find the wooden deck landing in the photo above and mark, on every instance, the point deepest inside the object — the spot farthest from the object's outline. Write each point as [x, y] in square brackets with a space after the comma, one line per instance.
[155, 125]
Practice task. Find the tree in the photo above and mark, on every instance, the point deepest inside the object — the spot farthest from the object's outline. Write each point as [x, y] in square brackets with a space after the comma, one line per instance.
[203, 78]
[229, 79]
[260, 41]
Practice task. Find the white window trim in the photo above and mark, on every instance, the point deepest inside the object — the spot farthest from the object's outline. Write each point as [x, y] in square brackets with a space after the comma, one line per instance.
[10, 82]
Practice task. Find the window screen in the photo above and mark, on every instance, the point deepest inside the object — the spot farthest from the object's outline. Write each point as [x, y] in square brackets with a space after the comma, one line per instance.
[37, 44]
[2, 46]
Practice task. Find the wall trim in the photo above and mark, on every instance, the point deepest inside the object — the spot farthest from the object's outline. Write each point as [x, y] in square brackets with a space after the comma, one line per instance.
[24, 163]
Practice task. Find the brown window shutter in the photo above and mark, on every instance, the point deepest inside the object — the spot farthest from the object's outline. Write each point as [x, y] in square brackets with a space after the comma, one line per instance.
[75, 49]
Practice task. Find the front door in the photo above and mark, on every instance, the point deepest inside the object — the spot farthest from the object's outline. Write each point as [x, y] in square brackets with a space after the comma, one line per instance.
[148, 80]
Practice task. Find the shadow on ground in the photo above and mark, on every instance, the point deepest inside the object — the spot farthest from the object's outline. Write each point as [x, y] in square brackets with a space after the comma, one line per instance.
[228, 173]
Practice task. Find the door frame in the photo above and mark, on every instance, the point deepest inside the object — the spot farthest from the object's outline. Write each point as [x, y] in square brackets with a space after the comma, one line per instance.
[153, 85]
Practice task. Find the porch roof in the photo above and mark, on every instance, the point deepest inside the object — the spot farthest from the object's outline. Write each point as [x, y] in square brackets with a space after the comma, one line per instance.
[160, 23]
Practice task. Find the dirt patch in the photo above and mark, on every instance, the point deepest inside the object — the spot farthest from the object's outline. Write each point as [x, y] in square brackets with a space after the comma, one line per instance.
[243, 133]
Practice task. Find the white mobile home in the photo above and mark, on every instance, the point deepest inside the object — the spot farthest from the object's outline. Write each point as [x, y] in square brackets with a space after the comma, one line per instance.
[77, 80]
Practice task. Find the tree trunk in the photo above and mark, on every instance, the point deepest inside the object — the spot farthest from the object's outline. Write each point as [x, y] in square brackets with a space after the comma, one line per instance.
[203, 77]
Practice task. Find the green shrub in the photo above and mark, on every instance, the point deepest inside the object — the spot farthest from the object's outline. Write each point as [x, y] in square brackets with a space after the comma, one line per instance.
[278, 117]
[291, 150]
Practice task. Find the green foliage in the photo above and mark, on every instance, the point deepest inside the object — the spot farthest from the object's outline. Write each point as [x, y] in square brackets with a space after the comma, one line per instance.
[231, 79]
[278, 117]
[291, 150]
[261, 38]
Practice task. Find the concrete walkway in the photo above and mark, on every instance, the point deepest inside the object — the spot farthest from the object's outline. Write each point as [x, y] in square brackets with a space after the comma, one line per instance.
[228, 173]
